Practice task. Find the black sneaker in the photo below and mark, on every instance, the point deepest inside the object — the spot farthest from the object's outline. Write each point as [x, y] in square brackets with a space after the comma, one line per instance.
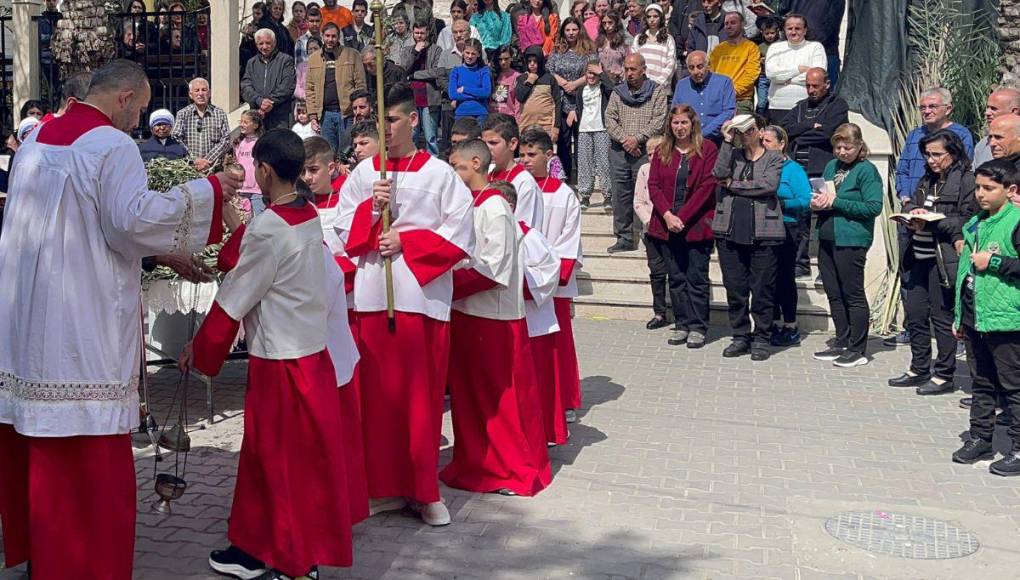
[759, 354]
[829, 354]
[786, 336]
[803, 273]
[849, 360]
[933, 388]
[273, 575]
[621, 246]
[974, 450]
[235, 562]
[898, 340]
[1008, 466]
[736, 348]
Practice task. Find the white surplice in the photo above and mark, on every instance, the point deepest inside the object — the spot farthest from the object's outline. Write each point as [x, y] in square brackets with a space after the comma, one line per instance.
[542, 275]
[78, 221]
[530, 202]
[562, 227]
[497, 257]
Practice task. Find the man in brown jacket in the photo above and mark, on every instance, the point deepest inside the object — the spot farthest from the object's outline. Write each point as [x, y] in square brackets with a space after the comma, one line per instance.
[333, 74]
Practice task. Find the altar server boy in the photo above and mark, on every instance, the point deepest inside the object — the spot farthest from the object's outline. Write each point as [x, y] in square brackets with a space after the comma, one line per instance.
[404, 361]
[500, 133]
[499, 441]
[290, 513]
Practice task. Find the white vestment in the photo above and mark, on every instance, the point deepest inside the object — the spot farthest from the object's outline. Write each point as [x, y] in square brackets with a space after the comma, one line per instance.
[542, 275]
[499, 258]
[79, 219]
[562, 227]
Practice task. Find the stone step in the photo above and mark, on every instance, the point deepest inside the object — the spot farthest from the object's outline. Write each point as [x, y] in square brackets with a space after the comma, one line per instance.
[602, 267]
[808, 319]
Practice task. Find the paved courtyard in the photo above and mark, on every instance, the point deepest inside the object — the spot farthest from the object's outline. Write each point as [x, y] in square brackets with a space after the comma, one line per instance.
[683, 465]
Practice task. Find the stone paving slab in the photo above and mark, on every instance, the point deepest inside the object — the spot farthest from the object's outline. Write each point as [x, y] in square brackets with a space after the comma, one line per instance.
[683, 465]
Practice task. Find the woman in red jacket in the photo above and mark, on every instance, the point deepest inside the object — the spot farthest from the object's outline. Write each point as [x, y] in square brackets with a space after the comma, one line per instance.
[682, 191]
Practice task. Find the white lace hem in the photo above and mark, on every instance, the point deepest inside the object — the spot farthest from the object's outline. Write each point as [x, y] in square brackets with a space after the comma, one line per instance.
[173, 296]
[69, 418]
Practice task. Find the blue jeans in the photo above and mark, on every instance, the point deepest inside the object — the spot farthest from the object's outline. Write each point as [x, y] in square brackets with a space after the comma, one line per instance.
[332, 126]
[427, 123]
[833, 70]
[763, 95]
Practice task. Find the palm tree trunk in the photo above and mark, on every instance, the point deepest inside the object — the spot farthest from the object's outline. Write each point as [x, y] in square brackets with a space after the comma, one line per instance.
[1009, 39]
[84, 36]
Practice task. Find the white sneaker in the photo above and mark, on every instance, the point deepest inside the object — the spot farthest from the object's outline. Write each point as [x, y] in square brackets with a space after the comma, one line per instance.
[434, 514]
[385, 504]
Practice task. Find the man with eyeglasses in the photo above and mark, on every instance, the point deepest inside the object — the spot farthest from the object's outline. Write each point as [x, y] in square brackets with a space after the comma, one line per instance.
[202, 128]
[936, 106]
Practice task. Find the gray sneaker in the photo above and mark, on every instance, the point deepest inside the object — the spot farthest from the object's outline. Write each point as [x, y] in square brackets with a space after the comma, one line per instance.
[695, 339]
[679, 336]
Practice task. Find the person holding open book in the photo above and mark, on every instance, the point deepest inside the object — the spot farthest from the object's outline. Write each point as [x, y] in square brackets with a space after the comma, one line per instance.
[941, 204]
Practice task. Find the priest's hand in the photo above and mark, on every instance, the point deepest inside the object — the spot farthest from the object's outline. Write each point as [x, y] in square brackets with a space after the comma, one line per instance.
[381, 193]
[202, 164]
[230, 182]
[389, 243]
[184, 361]
[188, 267]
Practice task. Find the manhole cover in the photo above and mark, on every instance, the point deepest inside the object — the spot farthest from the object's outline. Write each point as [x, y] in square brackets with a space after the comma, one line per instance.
[902, 535]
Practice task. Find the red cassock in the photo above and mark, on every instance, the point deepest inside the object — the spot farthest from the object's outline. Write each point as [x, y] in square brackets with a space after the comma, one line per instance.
[402, 372]
[499, 438]
[288, 509]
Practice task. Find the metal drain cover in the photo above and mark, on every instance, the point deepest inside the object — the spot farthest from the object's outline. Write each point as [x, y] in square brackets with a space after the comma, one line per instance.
[902, 535]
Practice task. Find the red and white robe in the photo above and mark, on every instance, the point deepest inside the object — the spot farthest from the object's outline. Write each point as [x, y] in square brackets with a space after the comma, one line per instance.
[542, 277]
[530, 202]
[499, 439]
[556, 355]
[289, 507]
[350, 392]
[79, 218]
[403, 372]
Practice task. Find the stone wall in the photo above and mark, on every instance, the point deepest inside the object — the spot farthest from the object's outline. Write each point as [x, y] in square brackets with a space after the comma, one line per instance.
[1008, 27]
[84, 37]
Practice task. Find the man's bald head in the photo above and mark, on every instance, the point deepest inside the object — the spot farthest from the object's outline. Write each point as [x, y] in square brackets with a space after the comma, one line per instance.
[1002, 101]
[634, 70]
[117, 75]
[816, 82]
[697, 66]
[1004, 136]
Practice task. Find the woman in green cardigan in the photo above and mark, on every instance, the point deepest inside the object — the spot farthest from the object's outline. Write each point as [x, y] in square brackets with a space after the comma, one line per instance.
[845, 228]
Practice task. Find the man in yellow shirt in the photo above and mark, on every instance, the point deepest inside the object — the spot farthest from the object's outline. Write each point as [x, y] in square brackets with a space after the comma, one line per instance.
[739, 59]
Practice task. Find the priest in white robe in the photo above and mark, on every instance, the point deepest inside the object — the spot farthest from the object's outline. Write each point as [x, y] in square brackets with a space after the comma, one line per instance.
[79, 220]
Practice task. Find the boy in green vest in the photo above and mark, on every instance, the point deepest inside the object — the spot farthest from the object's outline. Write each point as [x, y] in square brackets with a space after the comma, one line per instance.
[988, 313]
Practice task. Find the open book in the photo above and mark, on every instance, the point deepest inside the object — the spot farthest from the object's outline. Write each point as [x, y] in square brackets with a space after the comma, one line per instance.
[906, 218]
[760, 8]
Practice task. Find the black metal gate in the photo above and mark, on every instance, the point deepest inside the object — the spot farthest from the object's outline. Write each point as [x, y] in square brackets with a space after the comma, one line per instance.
[7, 78]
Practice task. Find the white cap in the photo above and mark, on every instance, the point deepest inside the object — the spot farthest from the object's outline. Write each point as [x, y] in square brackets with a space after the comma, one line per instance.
[161, 116]
[25, 127]
[654, 6]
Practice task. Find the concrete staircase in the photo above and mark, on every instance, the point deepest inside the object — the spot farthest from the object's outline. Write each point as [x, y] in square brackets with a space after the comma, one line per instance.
[616, 286]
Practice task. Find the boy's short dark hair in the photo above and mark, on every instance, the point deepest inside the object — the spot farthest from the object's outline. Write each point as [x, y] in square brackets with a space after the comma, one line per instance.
[1001, 171]
[537, 137]
[283, 151]
[507, 190]
[315, 11]
[763, 22]
[401, 96]
[357, 3]
[503, 125]
[467, 126]
[317, 147]
[365, 129]
[474, 148]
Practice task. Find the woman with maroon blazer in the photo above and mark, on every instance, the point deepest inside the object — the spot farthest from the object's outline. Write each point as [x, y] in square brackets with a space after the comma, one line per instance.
[682, 191]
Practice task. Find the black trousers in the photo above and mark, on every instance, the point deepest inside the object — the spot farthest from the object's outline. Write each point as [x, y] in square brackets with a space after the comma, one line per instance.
[566, 144]
[689, 286]
[994, 360]
[803, 259]
[445, 124]
[624, 170]
[749, 275]
[786, 274]
[928, 309]
[657, 273]
[842, 272]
